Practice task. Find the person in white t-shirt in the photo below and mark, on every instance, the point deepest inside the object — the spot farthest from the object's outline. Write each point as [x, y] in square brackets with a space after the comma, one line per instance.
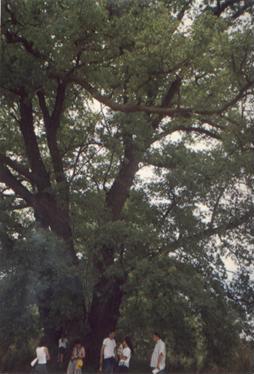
[108, 354]
[42, 355]
[62, 348]
[158, 359]
[125, 355]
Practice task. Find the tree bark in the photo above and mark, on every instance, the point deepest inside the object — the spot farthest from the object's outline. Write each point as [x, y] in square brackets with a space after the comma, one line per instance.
[118, 193]
[104, 314]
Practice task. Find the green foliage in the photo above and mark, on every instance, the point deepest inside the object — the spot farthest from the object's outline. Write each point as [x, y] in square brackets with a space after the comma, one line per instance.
[187, 307]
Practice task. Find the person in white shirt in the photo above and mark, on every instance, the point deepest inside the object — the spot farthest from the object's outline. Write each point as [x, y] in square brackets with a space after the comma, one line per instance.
[119, 350]
[158, 359]
[108, 354]
[62, 348]
[125, 355]
[42, 355]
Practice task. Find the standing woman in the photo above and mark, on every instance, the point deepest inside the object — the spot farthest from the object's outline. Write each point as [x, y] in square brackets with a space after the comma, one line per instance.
[125, 356]
[43, 356]
[77, 359]
[62, 349]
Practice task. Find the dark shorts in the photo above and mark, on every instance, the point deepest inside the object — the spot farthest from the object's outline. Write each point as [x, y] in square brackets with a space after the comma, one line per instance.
[40, 369]
[109, 365]
[62, 350]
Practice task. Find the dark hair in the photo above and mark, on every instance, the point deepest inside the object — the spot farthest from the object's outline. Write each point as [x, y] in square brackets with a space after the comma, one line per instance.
[157, 334]
[77, 341]
[128, 341]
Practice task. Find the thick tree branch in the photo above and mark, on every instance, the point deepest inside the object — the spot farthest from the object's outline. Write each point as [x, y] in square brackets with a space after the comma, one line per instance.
[171, 92]
[187, 129]
[130, 107]
[10, 181]
[59, 104]
[232, 4]
[118, 193]
[164, 111]
[32, 149]
[19, 168]
[76, 162]
[229, 104]
[232, 224]
[198, 130]
[44, 108]
[52, 122]
[13, 37]
[107, 172]
[216, 205]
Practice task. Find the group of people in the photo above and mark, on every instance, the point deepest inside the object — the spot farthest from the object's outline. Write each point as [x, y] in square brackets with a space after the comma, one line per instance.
[113, 358]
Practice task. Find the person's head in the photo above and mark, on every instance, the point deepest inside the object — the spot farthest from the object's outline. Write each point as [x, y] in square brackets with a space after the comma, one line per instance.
[112, 334]
[156, 336]
[77, 343]
[128, 343]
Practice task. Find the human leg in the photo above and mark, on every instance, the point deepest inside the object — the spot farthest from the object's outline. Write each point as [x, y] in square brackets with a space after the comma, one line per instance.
[108, 365]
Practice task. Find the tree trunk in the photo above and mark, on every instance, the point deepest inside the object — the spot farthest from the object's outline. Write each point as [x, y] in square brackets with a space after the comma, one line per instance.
[108, 291]
[104, 314]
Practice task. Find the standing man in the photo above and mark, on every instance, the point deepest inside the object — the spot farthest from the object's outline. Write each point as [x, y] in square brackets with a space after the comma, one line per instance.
[43, 357]
[108, 354]
[158, 359]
